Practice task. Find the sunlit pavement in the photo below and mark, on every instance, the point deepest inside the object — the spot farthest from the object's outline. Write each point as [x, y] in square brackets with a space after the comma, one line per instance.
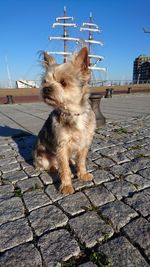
[106, 221]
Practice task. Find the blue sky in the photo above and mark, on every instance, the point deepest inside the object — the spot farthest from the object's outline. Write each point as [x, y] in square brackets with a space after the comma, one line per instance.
[26, 24]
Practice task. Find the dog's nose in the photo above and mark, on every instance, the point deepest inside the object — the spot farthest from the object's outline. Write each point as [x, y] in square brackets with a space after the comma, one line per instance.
[47, 90]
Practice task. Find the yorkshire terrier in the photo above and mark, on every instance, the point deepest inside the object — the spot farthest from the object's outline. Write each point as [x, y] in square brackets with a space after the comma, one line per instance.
[68, 132]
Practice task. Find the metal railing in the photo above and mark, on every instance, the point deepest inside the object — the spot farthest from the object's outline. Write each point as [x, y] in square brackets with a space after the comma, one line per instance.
[116, 82]
[6, 83]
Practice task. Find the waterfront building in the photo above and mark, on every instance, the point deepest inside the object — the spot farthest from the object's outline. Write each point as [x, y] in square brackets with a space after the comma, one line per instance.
[141, 69]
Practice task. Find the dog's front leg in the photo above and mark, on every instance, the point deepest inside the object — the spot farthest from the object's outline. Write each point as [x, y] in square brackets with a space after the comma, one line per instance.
[64, 171]
[81, 165]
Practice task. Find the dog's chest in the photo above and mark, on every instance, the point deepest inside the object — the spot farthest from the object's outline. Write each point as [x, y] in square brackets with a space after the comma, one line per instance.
[79, 137]
[77, 141]
[78, 134]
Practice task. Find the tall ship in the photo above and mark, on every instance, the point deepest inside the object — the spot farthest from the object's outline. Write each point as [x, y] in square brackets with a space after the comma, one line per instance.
[67, 44]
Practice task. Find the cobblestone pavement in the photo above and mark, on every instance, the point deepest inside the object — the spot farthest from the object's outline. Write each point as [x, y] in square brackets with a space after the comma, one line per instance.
[106, 222]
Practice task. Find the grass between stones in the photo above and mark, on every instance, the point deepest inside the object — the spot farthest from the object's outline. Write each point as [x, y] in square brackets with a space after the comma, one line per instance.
[120, 130]
[2, 156]
[18, 192]
[99, 258]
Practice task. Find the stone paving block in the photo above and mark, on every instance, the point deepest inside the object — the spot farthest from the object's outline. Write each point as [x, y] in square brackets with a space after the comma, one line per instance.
[10, 167]
[25, 255]
[135, 144]
[14, 233]
[11, 209]
[53, 193]
[136, 153]
[141, 163]
[145, 173]
[121, 253]
[6, 191]
[55, 252]
[95, 145]
[90, 228]
[138, 181]
[104, 163]
[4, 162]
[5, 148]
[146, 149]
[146, 133]
[102, 145]
[15, 176]
[46, 178]
[111, 151]
[120, 158]
[120, 188]
[139, 232]
[140, 202]
[137, 164]
[36, 199]
[94, 155]
[120, 170]
[30, 184]
[75, 204]
[132, 154]
[8, 154]
[3, 143]
[99, 195]
[26, 164]
[102, 133]
[31, 171]
[47, 218]
[91, 166]
[117, 213]
[78, 184]
[101, 176]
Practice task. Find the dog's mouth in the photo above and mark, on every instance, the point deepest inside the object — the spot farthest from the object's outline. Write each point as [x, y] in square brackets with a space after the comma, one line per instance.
[48, 97]
[50, 100]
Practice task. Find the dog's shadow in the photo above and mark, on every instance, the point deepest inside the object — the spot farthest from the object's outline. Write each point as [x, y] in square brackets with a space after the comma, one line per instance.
[20, 140]
[23, 143]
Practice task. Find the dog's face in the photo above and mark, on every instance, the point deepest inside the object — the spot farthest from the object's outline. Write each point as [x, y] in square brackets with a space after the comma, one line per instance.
[64, 84]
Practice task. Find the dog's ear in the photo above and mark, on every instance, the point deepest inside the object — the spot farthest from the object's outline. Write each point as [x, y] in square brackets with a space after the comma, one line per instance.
[81, 60]
[47, 60]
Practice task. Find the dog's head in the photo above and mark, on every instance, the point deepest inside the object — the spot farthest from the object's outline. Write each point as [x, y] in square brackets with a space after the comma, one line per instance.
[64, 84]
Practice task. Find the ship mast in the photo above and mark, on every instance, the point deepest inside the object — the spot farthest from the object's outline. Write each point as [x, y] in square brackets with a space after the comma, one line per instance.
[64, 22]
[92, 28]
[90, 33]
[65, 33]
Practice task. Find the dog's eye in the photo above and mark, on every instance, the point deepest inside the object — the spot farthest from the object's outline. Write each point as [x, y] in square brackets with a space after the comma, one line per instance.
[63, 83]
[44, 81]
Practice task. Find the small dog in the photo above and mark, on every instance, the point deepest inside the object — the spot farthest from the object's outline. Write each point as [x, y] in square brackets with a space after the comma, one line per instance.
[68, 132]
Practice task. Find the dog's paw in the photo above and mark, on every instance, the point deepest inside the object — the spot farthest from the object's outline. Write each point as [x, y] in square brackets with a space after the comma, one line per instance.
[86, 177]
[67, 189]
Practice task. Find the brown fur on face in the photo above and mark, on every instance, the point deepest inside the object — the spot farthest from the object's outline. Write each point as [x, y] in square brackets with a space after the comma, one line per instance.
[69, 130]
